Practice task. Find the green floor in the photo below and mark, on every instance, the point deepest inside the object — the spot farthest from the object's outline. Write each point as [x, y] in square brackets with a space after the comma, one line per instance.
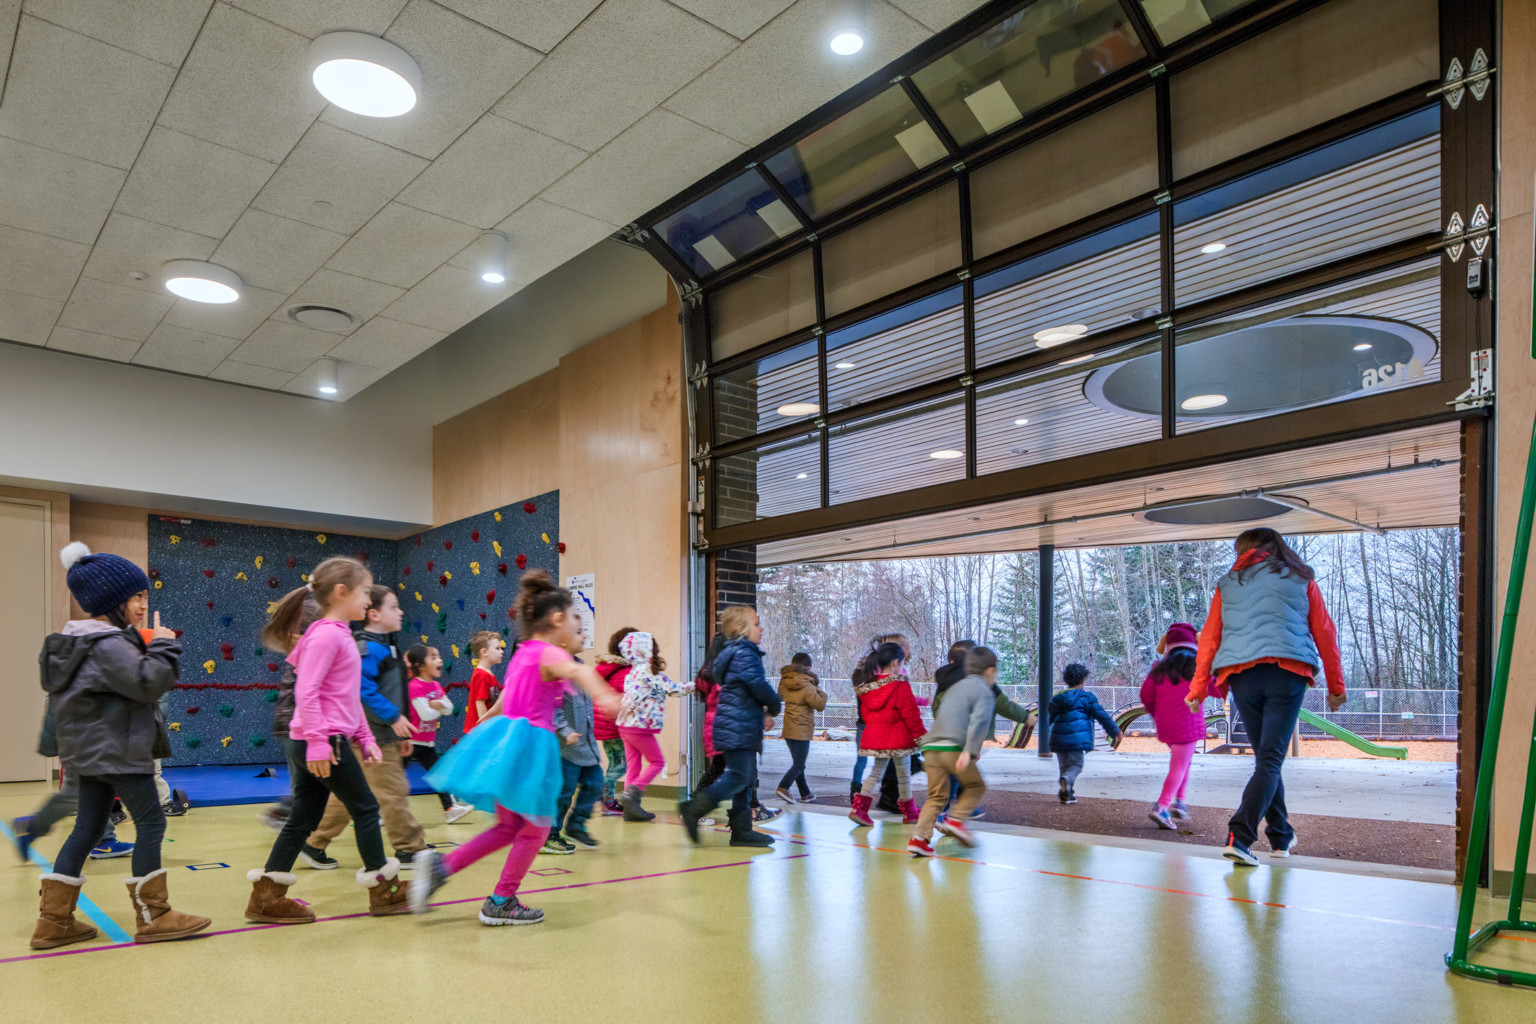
[835, 925]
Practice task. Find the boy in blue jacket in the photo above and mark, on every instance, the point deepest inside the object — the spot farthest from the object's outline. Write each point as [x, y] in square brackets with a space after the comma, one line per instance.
[1073, 712]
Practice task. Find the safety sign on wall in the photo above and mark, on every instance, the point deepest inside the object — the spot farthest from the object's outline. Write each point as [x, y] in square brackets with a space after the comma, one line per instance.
[584, 589]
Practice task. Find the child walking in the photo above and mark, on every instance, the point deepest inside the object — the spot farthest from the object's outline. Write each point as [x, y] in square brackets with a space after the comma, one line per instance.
[1073, 712]
[1162, 694]
[104, 681]
[950, 749]
[892, 728]
[581, 774]
[429, 705]
[641, 715]
[486, 648]
[511, 765]
[324, 737]
[613, 667]
[801, 692]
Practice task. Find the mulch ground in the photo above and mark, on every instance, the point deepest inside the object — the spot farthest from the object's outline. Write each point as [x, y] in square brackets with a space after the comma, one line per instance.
[1408, 843]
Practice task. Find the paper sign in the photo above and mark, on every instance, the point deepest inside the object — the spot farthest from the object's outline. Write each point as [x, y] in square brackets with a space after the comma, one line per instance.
[584, 589]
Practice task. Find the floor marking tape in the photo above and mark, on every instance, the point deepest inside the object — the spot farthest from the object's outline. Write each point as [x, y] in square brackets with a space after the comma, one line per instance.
[92, 912]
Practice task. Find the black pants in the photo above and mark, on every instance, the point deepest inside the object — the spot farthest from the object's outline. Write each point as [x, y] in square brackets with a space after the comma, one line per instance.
[1268, 699]
[735, 782]
[427, 757]
[715, 767]
[798, 751]
[139, 795]
[310, 794]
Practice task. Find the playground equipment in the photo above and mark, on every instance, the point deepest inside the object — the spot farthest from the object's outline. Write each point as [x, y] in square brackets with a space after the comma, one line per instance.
[1466, 943]
[1355, 740]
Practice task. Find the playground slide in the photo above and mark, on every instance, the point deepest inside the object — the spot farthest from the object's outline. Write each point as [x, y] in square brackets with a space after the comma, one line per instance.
[1128, 714]
[1338, 732]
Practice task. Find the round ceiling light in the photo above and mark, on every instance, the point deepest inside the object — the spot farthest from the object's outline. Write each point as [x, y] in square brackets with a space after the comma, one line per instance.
[325, 373]
[1021, 423]
[1212, 248]
[799, 409]
[846, 42]
[1195, 403]
[845, 32]
[1364, 346]
[493, 269]
[1060, 335]
[946, 453]
[200, 281]
[801, 476]
[1215, 511]
[322, 318]
[364, 74]
[847, 366]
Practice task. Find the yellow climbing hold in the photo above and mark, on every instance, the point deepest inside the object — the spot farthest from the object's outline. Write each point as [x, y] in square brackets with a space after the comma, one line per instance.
[474, 567]
[320, 537]
[400, 585]
[497, 545]
[545, 536]
[271, 607]
[258, 561]
[498, 517]
[418, 595]
[455, 650]
[225, 740]
[424, 638]
[304, 577]
[435, 609]
[241, 576]
[208, 666]
[157, 584]
[174, 727]
[447, 575]
[175, 539]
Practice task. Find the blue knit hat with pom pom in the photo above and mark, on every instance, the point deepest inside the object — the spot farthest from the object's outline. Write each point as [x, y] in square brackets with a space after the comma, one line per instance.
[101, 583]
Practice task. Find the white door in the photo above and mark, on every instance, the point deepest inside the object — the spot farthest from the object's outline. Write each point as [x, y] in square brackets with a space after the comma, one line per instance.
[24, 581]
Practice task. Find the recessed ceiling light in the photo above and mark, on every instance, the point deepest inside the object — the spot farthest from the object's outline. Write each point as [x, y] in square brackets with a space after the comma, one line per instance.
[946, 453]
[1077, 359]
[847, 366]
[200, 282]
[1364, 346]
[325, 376]
[364, 74]
[799, 409]
[801, 476]
[1060, 335]
[1197, 402]
[1021, 423]
[845, 33]
[493, 267]
[846, 43]
[1212, 248]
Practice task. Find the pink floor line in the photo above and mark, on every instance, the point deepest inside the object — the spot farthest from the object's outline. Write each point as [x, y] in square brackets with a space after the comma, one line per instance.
[446, 903]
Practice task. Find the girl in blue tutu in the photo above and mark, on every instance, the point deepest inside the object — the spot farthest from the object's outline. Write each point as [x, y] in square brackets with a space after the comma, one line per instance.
[509, 765]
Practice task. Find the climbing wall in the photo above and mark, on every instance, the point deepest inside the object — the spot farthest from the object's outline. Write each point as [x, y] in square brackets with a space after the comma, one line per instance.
[214, 583]
[463, 577]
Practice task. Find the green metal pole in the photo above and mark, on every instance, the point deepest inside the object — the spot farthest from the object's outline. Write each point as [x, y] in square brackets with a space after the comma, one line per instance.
[1478, 839]
[1523, 842]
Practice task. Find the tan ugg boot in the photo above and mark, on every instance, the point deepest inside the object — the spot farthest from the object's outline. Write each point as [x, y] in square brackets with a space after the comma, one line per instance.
[152, 912]
[269, 902]
[387, 893]
[56, 924]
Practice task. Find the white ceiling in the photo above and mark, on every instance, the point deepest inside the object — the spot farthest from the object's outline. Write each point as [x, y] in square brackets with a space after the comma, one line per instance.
[133, 132]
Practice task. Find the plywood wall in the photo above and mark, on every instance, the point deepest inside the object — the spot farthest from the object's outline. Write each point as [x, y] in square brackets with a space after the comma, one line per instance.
[59, 604]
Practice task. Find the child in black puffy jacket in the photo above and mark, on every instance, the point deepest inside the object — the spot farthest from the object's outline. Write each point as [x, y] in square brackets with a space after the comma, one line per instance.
[1072, 714]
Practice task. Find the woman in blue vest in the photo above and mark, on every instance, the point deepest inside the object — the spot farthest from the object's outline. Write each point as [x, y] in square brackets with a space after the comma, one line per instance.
[1265, 640]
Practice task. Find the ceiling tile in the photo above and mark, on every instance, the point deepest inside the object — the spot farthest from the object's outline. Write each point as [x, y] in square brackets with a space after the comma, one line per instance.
[235, 320]
[738, 17]
[386, 343]
[539, 23]
[284, 346]
[642, 167]
[447, 299]
[102, 346]
[356, 295]
[311, 19]
[191, 184]
[161, 30]
[103, 308]
[337, 180]
[751, 94]
[54, 194]
[72, 94]
[402, 245]
[540, 237]
[244, 87]
[176, 348]
[350, 379]
[39, 265]
[27, 318]
[255, 376]
[128, 244]
[465, 67]
[622, 61]
[274, 252]
[490, 171]
[938, 14]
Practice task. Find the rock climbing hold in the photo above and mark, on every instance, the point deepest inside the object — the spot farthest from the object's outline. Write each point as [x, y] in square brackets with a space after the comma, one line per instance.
[482, 615]
[157, 584]
[193, 742]
[443, 579]
[320, 537]
[228, 651]
[225, 741]
[406, 571]
[460, 603]
[455, 649]
[208, 666]
[258, 740]
[502, 568]
[418, 595]
[447, 545]
[194, 709]
[210, 606]
[258, 561]
[474, 535]
[362, 556]
[226, 710]
[435, 609]
[530, 507]
[429, 567]
[272, 696]
[474, 567]
[522, 561]
[209, 542]
[173, 726]
[208, 573]
[154, 574]
[272, 582]
[291, 561]
[273, 666]
[490, 597]
[496, 545]
[241, 576]
[560, 547]
[228, 620]
[544, 537]
[175, 539]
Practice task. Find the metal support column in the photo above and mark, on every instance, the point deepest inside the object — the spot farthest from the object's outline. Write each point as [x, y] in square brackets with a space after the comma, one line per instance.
[1047, 651]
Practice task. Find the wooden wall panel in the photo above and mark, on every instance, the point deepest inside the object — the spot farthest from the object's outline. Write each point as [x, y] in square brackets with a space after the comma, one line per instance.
[60, 608]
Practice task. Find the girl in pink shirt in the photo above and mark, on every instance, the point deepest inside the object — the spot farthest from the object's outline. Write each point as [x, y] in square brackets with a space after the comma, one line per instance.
[1162, 694]
[327, 720]
[510, 764]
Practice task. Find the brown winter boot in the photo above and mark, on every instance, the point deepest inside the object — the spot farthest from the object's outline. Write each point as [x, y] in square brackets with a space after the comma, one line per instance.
[387, 893]
[269, 899]
[56, 924]
[152, 912]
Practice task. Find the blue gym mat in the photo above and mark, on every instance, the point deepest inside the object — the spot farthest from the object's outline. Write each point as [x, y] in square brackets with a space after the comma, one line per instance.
[212, 785]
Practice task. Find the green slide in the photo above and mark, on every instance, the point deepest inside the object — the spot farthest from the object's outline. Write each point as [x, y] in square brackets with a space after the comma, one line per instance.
[1338, 732]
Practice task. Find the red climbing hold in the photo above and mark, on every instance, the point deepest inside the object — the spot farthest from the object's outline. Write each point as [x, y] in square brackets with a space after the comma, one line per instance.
[210, 605]
[502, 568]
[208, 573]
[272, 666]
[192, 710]
[447, 545]
[228, 650]
[482, 615]
[474, 535]
[560, 547]
[272, 582]
[177, 632]
[522, 561]
[406, 571]
[209, 542]
[292, 561]
[418, 540]
[512, 613]
[490, 597]
[443, 579]
[530, 507]
[154, 574]
[362, 556]
[429, 567]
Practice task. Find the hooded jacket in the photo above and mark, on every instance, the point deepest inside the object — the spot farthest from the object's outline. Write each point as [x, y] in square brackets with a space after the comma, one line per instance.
[383, 688]
[1163, 697]
[613, 670]
[892, 723]
[104, 685]
[1073, 712]
[745, 696]
[801, 692]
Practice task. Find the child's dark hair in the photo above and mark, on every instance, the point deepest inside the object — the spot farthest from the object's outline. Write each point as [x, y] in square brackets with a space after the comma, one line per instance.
[978, 660]
[376, 595]
[480, 641]
[959, 649]
[328, 575]
[888, 655]
[618, 638]
[1284, 559]
[1177, 666]
[802, 659]
[538, 599]
[1074, 674]
[416, 658]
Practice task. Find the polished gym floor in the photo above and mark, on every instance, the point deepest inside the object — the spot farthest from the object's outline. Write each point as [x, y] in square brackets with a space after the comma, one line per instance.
[835, 924]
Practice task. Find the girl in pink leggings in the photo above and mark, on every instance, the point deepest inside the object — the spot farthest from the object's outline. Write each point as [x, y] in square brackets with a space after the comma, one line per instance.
[510, 764]
[1162, 694]
[641, 716]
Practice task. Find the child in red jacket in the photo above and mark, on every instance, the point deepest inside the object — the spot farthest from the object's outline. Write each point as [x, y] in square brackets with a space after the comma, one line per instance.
[1162, 694]
[892, 728]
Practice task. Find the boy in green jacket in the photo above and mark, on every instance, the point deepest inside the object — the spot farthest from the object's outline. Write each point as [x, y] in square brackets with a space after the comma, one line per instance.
[950, 749]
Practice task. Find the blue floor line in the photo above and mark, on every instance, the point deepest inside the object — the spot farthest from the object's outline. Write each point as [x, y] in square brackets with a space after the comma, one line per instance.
[92, 912]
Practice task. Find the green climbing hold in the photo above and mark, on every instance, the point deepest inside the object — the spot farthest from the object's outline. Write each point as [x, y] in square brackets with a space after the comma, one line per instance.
[227, 710]
[447, 667]
[193, 743]
[271, 696]
[258, 740]
[442, 622]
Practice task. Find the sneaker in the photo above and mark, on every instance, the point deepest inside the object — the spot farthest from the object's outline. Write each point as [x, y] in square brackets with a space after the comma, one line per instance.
[1063, 793]
[21, 828]
[110, 849]
[1160, 816]
[783, 794]
[765, 813]
[274, 818]
[611, 809]
[1239, 852]
[508, 911]
[707, 821]
[407, 860]
[807, 797]
[456, 811]
[978, 814]
[177, 805]
[556, 845]
[956, 830]
[941, 826]
[432, 872]
[1179, 810]
[919, 847]
[118, 815]
[1283, 851]
[1071, 794]
[582, 838]
[318, 859]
